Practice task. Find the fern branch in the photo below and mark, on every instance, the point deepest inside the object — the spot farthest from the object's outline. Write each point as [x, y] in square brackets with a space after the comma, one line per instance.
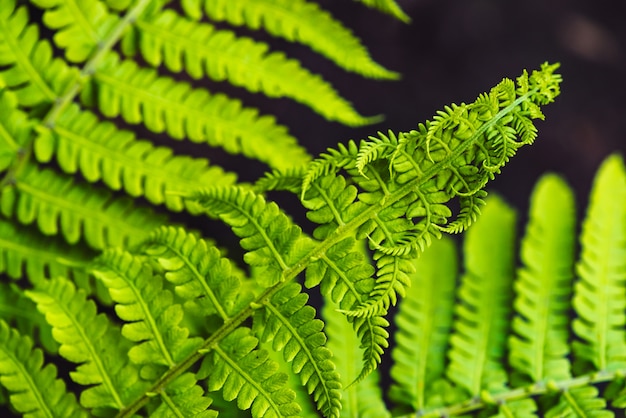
[81, 25]
[295, 20]
[290, 324]
[599, 298]
[543, 287]
[423, 323]
[152, 319]
[140, 96]
[183, 398]
[35, 390]
[201, 49]
[77, 327]
[58, 205]
[101, 152]
[478, 341]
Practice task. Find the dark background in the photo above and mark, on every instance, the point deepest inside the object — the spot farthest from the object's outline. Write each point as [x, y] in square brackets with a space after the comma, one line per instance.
[454, 50]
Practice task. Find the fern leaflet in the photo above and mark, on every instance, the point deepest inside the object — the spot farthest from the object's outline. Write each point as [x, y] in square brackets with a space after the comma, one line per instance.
[34, 389]
[541, 345]
[77, 327]
[162, 104]
[599, 297]
[201, 49]
[295, 20]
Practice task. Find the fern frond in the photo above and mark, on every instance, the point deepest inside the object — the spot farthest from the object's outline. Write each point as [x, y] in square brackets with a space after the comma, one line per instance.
[249, 376]
[162, 104]
[478, 342]
[345, 276]
[80, 24]
[271, 240]
[540, 347]
[296, 21]
[599, 297]
[183, 398]
[152, 320]
[390, 7]
[363, 399]
[34, 389]
[204, 279]
[290, 324]
[200, 49]
[79, 329]
[28, 67]
[282, 180]
[99, 151]
[423, 324]
[57, 204]
[24, 252]
[580, 402]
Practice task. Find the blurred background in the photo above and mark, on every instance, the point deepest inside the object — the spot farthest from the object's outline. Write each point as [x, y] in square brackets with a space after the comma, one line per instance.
[454, 50]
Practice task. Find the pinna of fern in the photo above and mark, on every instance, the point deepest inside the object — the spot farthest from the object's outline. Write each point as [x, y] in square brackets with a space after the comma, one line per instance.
[542, 363]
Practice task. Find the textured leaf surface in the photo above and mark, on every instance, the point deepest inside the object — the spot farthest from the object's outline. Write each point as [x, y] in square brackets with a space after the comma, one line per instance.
[80, 331]
[81, 25]
[15, 129]
[363, 399]
[298, 21]
[163, 105]
[423, 322]
[248, 375]
[478, 342]
[290, 324]
[201, 49]
[544, 285]
[203, 278]
[99, 151]
[59, 205]
[152, 319]
[269, 237]
[28, 67]
[184, 398]
[34, 388]
[599, 296]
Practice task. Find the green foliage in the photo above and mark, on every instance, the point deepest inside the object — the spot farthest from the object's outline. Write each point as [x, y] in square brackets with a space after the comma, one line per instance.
[155, 320]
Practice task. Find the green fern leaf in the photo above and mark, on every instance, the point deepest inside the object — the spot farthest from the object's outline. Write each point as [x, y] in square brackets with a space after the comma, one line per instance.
[363, 399]
[271, 240]
[580, 402]
[540, 347]
[21, 313]
[390, 7]
[76, 326]
[599, 297]
[59, 205]
[297, 21]
[81, 25]
[118, 5]
[25, 253]
[423, 324]
[152, 320]
[478, 342]
[28, 67]
[34, 391]
[141, 96]
[345, 276]
[249, 376]
[183, 398]
[524, 408]
[205, 280]
[102, 152]
[289, 323]
[200, 49]
[15, 129]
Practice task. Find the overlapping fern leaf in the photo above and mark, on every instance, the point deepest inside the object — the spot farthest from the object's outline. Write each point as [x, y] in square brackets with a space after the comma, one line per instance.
[532, 366]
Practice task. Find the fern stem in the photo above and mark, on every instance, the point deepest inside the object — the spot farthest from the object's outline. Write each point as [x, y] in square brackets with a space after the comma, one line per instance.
[536, 389]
